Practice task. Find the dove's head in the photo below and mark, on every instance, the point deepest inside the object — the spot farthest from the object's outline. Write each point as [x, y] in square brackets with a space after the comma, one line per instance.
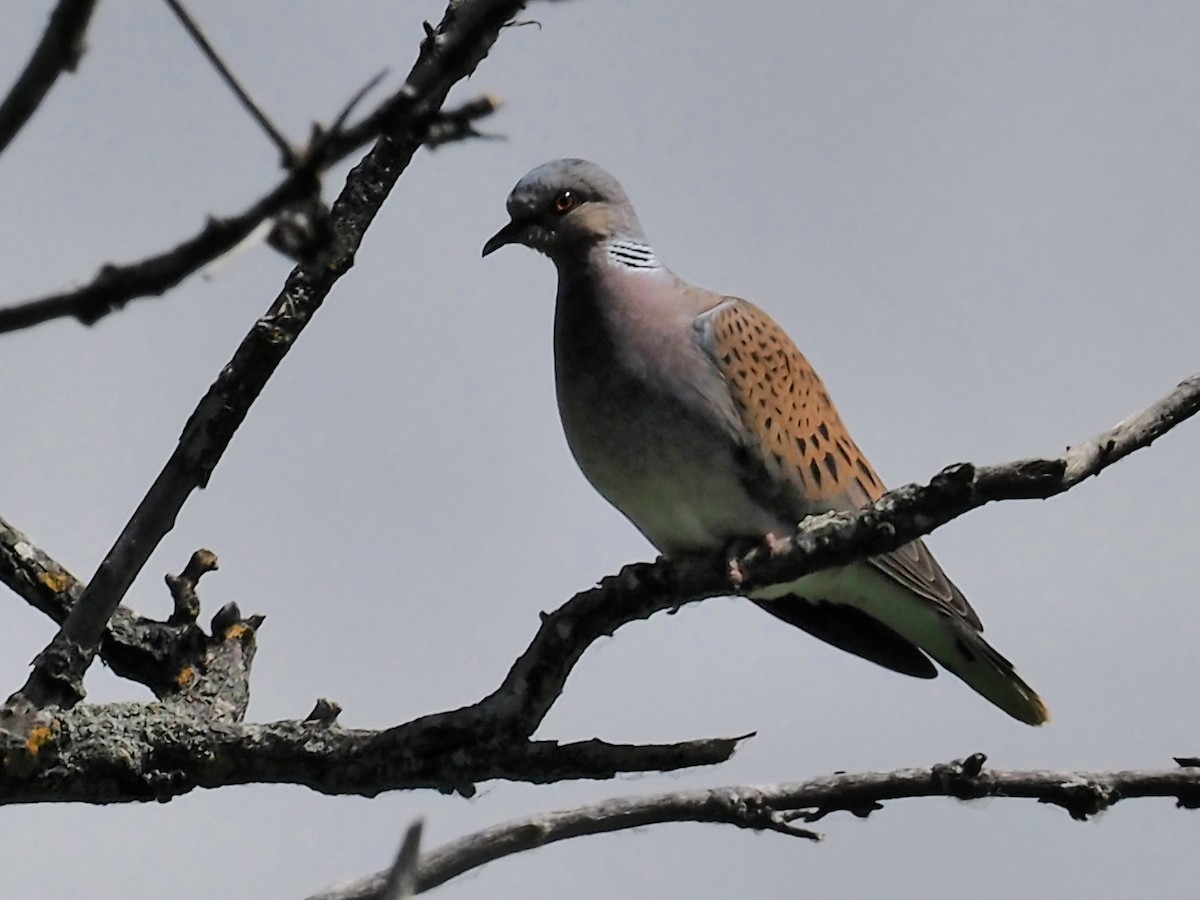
[564, 208]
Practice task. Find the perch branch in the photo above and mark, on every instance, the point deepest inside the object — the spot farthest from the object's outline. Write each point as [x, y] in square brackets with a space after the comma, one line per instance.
[821, 542]
[453, 750]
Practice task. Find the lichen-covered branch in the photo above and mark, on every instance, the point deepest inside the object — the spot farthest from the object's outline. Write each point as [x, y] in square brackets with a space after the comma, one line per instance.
[211, 692]
[449, 54]
[425, 752]
[143, 650]
[127, 752]
[779, 807]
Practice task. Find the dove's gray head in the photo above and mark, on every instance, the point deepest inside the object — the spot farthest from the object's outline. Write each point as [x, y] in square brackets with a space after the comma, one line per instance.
[564, 208]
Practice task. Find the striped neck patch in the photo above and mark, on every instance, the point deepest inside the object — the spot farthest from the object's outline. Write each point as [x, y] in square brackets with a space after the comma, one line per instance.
[633, 254]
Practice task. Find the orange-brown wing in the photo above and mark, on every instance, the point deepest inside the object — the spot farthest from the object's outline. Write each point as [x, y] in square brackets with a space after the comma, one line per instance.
[795, 436]
[786, 414]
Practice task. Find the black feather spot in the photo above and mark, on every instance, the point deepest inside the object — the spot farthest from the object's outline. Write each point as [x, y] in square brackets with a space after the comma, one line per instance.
[867, 473]
[816, 472]
[831, 465]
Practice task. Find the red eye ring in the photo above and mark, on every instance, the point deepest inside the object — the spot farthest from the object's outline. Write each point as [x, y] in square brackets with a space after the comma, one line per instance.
[565, 202]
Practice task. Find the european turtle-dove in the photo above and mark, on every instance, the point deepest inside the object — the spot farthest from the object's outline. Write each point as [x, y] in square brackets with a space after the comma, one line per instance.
[695, 415]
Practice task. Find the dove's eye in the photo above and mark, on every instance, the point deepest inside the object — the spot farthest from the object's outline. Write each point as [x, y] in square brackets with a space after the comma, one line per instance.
[565, 202]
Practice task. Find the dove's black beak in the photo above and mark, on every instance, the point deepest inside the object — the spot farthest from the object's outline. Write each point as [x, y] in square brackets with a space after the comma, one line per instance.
[509, 234]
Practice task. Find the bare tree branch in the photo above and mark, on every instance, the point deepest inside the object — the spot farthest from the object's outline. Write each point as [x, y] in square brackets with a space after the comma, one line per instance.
[537, 678]
[407, 115]
[58, 51]
[115, 285]
[130, 752]
[490, 739]
[776, 807]
[287, 154]
[156, 654]
[209, 695]
[465, 35]
[183, 586]
[400, 882]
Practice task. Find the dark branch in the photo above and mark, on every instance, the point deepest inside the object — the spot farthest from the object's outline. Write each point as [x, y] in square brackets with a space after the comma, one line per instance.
[465, 36]
[406, 116]
[152, 653]
[286, 152]
[458, 124]
[115, 285]
[183, 586]
[58, 51]
[776, 808]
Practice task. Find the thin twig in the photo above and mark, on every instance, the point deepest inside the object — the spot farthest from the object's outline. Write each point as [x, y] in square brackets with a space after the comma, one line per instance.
[58, 51]
[776, 807]
[115, 285]
[400, 882]
[210, 53]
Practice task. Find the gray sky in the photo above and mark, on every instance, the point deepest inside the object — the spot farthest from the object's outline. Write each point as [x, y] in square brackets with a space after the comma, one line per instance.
[979, 220]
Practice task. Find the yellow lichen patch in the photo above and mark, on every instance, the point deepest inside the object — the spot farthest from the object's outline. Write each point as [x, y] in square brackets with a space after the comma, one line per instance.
[236, 632]
[38, 737]
[22, 760]
[57, 582]
[185, 677]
